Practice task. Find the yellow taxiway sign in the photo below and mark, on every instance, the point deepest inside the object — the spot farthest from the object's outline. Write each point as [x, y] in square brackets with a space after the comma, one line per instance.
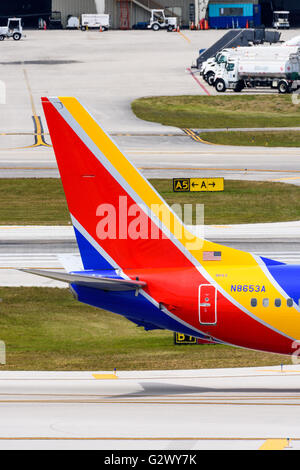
[198, 184]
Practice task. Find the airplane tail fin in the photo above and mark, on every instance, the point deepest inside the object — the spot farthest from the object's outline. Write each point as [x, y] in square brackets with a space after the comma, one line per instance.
[119, 219]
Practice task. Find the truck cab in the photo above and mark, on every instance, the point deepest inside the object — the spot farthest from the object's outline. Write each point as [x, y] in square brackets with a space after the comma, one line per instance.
[213, 67]
[227, 77]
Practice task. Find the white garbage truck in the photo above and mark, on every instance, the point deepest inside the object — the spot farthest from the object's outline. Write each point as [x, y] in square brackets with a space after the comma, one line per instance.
[281, 72]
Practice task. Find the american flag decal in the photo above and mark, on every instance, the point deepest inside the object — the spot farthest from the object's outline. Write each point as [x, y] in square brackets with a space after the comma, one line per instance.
[212, 256]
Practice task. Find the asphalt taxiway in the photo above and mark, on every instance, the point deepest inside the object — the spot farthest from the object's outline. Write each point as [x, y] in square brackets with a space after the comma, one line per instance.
[171, 156]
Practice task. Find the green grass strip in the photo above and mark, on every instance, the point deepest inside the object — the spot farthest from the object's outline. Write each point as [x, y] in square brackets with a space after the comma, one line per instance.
[46, 329]
[254, 139]
[42, 202]
[212, 112]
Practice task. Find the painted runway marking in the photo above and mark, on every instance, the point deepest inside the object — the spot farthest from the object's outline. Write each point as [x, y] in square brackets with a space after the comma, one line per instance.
[274, 444]
[192, 134]
[184, 37]
[196, 137]
[160, 438]
[104, 376]
[39, 135]
[286, 178]
[198, 81]
[276, 373]
[38, 127]
[132, 134]
[177, 168]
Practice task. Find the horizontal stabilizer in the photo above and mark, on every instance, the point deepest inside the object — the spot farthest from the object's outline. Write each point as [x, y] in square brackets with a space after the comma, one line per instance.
[90, 280]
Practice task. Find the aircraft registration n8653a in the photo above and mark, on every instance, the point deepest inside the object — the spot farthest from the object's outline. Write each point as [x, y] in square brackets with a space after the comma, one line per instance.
[140, 261]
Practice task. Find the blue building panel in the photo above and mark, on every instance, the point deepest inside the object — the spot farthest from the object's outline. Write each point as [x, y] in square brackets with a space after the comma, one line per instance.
[220, 17]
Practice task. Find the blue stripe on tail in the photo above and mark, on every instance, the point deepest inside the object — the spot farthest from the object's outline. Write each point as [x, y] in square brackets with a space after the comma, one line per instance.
[91, 258]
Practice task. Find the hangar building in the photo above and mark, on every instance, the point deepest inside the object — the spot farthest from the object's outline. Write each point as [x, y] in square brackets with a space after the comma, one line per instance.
[126, 13]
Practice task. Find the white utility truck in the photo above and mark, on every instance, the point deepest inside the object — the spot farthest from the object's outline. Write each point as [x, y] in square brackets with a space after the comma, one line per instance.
[94, 21]
[281, 20]
[12, 30]
[281, 72]
[159, 21]
[212, 67]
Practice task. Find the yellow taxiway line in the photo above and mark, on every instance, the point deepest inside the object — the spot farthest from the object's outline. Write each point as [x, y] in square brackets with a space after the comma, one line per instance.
[274, 444]
[105, 376]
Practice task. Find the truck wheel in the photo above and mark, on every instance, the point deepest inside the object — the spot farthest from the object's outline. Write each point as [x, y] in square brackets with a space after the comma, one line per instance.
[17, 36]
[170, 28]
[283, 87]
[239, 87]
[83, 28]
[210, 78]
[220, 85]
[2, 37]
[155, 27]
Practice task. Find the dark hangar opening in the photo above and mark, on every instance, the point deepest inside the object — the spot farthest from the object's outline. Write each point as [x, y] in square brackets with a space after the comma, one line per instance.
[30, 11]
[268, 6]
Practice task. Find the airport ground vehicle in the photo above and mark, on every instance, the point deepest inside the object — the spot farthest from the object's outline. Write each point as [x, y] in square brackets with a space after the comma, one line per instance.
[55, 20]
[96, 21]
[13, 29]
[142, 262]
[159, 21]
[73, 22]
[282, 72]
[212, 67]
[281, 20]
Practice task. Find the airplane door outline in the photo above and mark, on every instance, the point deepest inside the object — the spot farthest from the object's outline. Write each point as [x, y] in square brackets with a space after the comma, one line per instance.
[207, 304]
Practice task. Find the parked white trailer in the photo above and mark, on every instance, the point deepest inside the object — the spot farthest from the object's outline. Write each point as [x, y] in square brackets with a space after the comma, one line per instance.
[282, 73]
[95, 21]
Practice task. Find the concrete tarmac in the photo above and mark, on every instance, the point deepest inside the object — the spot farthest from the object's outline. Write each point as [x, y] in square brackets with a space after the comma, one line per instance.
[107, 71]
[171, 410]
[172, 156]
